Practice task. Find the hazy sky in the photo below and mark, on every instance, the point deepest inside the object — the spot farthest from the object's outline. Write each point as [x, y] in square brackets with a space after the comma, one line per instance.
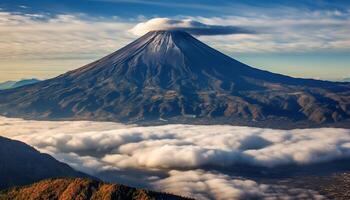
[43, 39]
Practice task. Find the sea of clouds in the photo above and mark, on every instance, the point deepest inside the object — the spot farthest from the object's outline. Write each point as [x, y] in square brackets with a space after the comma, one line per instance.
[175, 158]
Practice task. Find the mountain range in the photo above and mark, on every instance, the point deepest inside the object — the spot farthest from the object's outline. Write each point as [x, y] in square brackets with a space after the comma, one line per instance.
[346, 80]
[15, 84]
[171, 77]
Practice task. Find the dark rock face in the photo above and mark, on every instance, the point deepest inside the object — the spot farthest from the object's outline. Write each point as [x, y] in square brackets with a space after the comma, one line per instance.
[82, 189]
[21, 164]
[172, 76]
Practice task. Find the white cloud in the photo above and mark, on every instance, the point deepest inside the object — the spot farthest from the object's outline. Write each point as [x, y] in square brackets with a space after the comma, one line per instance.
[299, 31]
[188, 25]
[44, 45]
[181, 146]
[201, 184]
[181, 153]
[38, 36]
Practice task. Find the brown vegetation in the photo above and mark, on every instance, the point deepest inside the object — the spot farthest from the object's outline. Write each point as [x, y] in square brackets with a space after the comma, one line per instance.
[80, 189]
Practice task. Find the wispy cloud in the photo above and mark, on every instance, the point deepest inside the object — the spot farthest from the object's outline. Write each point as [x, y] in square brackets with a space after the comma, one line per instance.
[36, 36]
[37, 41]
[297, 32]
[40, 36]
[168, 4]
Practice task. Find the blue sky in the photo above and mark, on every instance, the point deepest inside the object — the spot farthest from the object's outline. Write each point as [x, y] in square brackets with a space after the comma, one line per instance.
[151, 8]
[42, 39]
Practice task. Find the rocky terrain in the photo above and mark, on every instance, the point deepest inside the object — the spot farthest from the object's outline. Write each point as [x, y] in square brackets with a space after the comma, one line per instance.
[82, 189]
[333, 186]
[21, 164]
[171, 77]
[336, 186]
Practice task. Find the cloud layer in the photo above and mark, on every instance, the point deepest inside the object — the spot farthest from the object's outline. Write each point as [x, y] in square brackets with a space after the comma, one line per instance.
[181, 153]
[182, 146]
[212, 185]
[188, 25]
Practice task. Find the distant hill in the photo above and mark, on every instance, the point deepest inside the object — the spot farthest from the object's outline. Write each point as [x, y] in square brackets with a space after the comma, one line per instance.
[25, 82]
[21, 164]
[15, 84]
[6, 85]
[82, 189]
[346, 80]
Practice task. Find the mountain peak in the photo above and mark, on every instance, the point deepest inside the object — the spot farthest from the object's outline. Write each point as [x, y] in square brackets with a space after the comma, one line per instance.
[174, 31]
[167, 37]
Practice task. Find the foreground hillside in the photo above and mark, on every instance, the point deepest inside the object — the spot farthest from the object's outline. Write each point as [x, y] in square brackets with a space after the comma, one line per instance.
[21, 164]
[82, 189]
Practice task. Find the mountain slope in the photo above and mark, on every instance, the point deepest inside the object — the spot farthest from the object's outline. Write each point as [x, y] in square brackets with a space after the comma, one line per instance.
[82, 189]
[173, 76]
[21, 164]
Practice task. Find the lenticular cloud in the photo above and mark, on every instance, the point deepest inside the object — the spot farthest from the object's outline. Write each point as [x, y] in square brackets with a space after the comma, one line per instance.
[188, 25]
[180, 151]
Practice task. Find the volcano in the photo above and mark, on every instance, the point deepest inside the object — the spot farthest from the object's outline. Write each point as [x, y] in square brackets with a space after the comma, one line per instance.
[171, 77]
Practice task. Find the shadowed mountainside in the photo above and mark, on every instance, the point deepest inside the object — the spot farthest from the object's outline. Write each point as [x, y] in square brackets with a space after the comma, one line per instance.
[21, 164]
[171, 76]
[82, 189]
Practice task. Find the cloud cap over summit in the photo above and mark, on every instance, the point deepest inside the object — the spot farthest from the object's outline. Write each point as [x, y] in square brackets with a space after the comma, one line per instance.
[188, 25]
